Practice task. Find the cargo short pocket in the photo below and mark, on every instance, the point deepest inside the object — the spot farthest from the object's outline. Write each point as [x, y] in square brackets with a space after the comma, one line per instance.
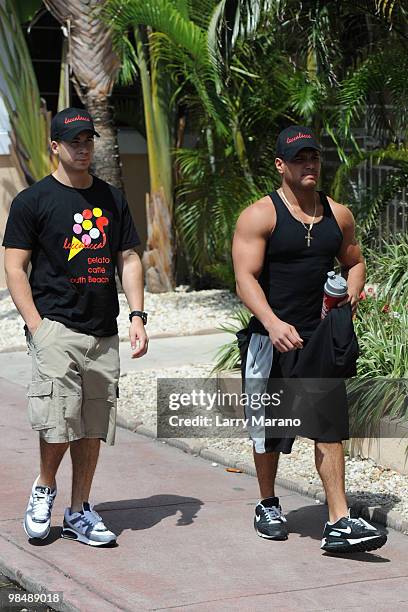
[41, 409]
[70, 404]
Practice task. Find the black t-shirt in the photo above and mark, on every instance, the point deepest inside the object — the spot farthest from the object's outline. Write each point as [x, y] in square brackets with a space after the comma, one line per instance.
[75, 235]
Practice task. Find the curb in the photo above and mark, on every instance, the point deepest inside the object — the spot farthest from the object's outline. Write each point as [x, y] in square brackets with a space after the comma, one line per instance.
[32, 580]
[191, 446]
[209, 331]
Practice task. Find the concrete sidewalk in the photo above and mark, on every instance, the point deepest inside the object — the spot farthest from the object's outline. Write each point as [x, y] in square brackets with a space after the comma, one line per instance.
[162, 353]
[186, 539]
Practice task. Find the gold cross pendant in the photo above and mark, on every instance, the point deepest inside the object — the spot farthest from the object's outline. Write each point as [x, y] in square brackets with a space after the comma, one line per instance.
[308, 238]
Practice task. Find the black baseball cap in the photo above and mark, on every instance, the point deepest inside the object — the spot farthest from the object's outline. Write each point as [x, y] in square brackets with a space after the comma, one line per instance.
[294, 138]
[70, 122]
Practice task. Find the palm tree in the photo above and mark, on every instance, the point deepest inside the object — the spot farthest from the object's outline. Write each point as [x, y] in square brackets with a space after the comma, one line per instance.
[178, 50]
[29, 118]
[351, 60]
[94, 65]
[145, 34]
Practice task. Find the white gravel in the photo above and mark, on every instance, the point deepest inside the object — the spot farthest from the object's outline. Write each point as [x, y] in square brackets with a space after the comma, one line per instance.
[181, 312]
[365, 481]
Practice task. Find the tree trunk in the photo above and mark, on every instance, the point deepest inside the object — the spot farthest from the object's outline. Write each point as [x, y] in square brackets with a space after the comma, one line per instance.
[106, 158]
[158, 256]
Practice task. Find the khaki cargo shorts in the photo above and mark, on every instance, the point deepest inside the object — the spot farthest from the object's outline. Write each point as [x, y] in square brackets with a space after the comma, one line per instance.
[74, 388]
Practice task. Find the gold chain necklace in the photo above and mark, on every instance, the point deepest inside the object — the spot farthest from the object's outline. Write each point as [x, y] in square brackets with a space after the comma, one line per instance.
[308, 237]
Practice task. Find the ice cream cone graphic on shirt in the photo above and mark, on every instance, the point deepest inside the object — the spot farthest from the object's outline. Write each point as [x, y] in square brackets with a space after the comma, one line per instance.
[76, 247]
[88, 225]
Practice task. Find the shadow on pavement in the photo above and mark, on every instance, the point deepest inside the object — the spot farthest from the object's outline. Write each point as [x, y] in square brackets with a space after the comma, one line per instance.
[146, 512]
[309, 522]
[138, 514]
[55, 534]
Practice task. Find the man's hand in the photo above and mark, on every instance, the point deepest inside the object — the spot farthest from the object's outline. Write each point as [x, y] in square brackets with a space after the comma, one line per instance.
[352, 297]
[138, 338]
[284, 337]
[32, 328]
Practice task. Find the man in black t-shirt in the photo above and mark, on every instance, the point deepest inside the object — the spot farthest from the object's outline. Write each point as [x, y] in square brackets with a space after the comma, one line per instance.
[76, 230]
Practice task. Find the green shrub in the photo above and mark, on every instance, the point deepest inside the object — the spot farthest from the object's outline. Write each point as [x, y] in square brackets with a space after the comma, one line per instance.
[228, 357]
[388, 267]
[381, 386]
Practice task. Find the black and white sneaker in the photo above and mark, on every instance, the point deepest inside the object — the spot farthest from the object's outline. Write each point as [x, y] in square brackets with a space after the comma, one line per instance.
[37, 518]
[269, 521]
[351, 535]
[86, 527]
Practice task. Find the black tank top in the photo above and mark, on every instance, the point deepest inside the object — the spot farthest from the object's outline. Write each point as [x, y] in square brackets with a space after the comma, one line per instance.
[293, 274]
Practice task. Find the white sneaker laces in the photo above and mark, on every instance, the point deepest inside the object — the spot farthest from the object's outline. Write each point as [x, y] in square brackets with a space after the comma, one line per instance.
[94, 519]
[272, 513]
[360, 522]
[42, 503]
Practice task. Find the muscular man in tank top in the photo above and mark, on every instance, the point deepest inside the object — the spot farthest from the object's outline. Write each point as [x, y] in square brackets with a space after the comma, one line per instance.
[284, 245]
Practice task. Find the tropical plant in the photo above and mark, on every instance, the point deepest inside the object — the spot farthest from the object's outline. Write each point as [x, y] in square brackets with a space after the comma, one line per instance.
[207, 209]
[238, 71]
[381, 386]
[94, 66]
[388, 266]
[373, 93]
[228, 356]
[177, 48]
[27, 112]
[367, 204]
[350, 59]
[26, 9]
[139, 49]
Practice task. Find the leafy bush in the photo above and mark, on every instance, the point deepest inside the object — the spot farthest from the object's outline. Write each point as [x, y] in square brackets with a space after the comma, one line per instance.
[228, 357]
[381, 386]
[382, 331]
[389, 268]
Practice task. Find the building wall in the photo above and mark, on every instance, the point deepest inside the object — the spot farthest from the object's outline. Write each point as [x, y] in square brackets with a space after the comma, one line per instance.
[135, 170]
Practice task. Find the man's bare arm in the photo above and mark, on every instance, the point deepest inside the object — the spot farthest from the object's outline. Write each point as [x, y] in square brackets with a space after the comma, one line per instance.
[350, 256]
[16, 264]
[248, 250]
[130, 272]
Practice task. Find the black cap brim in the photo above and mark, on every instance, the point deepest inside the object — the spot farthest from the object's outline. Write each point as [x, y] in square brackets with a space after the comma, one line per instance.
[69, 135]
[299, 148]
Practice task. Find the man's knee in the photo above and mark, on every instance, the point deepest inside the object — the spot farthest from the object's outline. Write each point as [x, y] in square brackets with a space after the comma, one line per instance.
[328, 446]
[53, 447]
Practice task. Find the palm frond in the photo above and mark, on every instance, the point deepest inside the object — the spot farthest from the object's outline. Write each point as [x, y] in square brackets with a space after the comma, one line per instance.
[162, 16]
[368, 205]
[380, 76]
[208, 206]
[28, 116]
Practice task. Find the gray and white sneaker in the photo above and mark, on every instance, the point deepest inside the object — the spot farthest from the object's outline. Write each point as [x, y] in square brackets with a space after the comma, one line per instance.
[37, 519]
[86, 527]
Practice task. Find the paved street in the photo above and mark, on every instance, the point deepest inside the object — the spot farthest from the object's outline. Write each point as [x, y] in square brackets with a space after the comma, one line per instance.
[186, 538]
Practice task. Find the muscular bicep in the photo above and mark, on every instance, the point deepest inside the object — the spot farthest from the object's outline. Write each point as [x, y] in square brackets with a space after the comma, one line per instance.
[16, 259]
[248, 248]
[350, 252]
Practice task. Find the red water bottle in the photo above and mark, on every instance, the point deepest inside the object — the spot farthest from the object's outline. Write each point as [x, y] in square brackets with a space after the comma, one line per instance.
[335, 290]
